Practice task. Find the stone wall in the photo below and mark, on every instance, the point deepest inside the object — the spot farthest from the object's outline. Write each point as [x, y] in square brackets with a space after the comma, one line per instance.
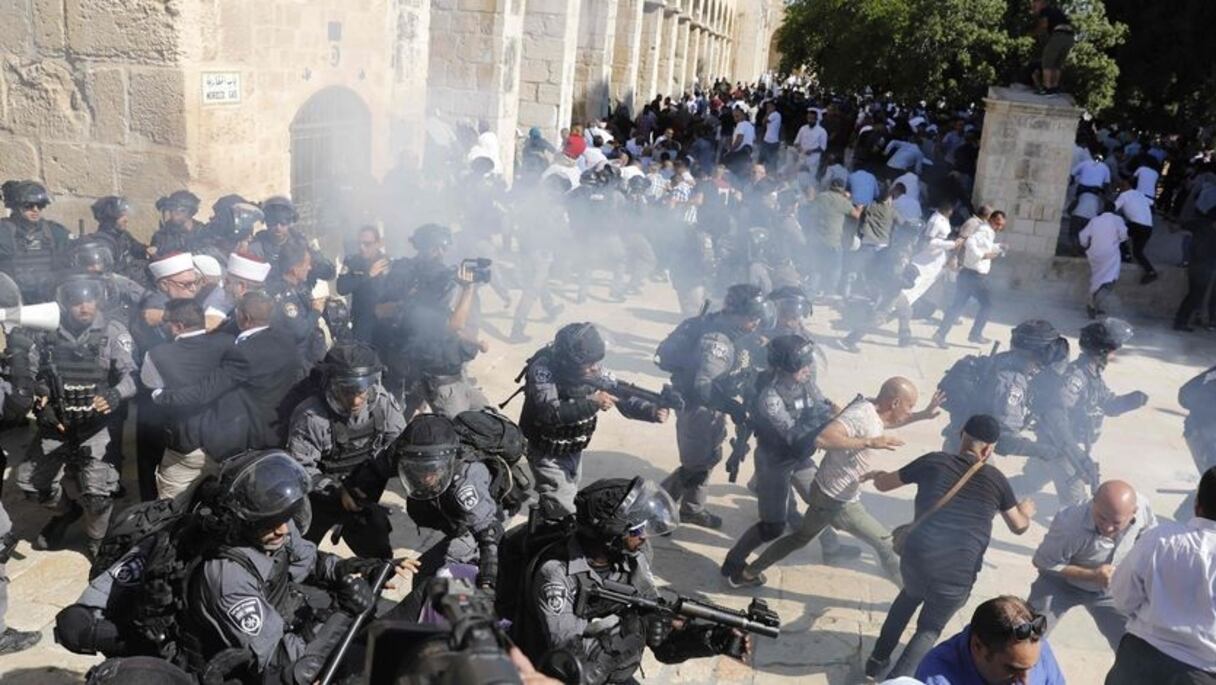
[88, 110]
[593, 68]
[546, 74]
[1024, 164]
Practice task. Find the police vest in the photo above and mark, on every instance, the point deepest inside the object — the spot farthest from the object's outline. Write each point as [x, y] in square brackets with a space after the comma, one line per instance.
[78, 368]
[32, 262]
[563, 438]
[442, 513]
[801, 403]
[353, 446]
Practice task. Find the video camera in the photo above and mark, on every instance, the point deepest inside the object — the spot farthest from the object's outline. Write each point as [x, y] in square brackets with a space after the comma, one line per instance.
[479, 267]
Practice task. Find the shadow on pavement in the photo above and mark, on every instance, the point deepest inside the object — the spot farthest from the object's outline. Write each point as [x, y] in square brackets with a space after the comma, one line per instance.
[40, 676]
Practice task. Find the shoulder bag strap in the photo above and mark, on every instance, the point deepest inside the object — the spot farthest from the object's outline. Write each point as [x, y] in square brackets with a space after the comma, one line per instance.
[945, 499]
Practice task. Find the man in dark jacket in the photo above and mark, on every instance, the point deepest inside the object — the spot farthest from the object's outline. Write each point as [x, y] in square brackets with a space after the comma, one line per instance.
[241, 397]
[190, 358]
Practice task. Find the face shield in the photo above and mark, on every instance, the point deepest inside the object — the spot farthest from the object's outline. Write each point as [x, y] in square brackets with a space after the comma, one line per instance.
[648, 510]
[426, 471]
[267, 489]
[92, 258]
[343, 392]
[1119, 331]
[10, 294]
[77, 291]
[245, 219]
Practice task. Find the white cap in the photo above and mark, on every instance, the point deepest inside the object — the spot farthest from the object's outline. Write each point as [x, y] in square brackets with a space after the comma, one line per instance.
[320, 291]
[208, 266]
[170, 265]
[248, 267]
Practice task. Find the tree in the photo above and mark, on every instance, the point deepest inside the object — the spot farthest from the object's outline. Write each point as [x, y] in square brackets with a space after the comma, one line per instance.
[931, 49]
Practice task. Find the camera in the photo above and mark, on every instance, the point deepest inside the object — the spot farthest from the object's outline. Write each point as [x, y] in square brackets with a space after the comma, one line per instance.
[479, 267]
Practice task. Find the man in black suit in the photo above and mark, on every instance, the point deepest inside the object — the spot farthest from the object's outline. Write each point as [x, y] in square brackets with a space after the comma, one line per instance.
[240, 399]
[186, 361]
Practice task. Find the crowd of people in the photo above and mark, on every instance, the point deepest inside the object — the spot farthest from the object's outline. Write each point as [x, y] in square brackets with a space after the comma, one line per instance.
[272, 411]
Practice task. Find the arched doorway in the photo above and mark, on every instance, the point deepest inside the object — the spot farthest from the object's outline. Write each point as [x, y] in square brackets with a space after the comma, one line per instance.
[331, 163]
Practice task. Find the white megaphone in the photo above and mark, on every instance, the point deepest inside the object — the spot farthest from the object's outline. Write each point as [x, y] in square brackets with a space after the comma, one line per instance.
[43, 317]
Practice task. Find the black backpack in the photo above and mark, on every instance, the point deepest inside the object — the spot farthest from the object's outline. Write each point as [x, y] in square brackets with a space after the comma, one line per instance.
[678, 351]
[520, 552]
[499, 443]
[964, 382]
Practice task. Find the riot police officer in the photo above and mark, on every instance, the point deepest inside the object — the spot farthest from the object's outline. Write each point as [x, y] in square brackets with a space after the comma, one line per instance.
[1198, 397]
[249, 594]
[788, 411]
[559, 414]
[30, 244]
[349, 422]
[1070, 411]
[130, 255]
[83, 372]
[595, 206]
[95, 256]
[178, 231]
[708, 375]
[791, 309]
[281, 216]
[614, 519]
[233, 223]
[294, 313]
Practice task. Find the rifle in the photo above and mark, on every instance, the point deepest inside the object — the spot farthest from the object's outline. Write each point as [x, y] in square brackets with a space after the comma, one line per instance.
[667, 398]
[758, 618]
[335, 660]
[738, 447]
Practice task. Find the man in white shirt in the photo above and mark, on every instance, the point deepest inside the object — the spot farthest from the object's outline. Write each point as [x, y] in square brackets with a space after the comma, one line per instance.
[978, 252]
[811, 141]
[771, 146]
[903, 155]
[850, 442]
[744, 139]
[1146, 177]
[907, 207]
[1137, 210]
[1167, 588]
[1102, 238]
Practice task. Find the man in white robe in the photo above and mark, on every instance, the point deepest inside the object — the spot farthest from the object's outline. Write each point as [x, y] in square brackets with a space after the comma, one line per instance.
[1101, 238]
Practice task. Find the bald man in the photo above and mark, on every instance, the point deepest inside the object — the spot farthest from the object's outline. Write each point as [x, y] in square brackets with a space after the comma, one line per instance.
[850, 442]
[1080, 552]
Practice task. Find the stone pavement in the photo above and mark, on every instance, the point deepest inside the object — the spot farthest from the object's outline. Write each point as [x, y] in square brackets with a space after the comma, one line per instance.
[831, 615]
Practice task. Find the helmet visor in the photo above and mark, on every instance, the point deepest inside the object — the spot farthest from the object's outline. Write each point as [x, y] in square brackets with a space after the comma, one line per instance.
[648, 510]
[426, 471]
[342, 392]
[270, 490]
[93, 257]
[1120, 331]
[78, 291]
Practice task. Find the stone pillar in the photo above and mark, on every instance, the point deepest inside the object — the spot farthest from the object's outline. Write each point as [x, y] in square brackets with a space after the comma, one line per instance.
[411, 46]
[651, 48]
[692, 77]
[682, 83]
[711, 59]
[593, 70]
[475, 52]
[1024, 164]
[667, 58]
[546, 73]
[626, 52]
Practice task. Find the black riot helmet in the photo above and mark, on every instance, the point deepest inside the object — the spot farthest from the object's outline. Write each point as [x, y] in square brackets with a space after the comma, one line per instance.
[638, 185]
[350, 370]
[91, 255]
[426, 454]
[264, 489]
[791, 302]
[78, 289]
[610, 509]
[591, 179]
[279, 210]
[578, 345]
[1041, 339]
[431, 237]
[23, 194]
[747, 301]
[234, 218]
[110, 209]
[791, 353]
[1103, 337]
[183, 200]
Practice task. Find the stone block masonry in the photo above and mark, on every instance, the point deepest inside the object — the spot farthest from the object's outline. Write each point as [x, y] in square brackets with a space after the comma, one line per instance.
[547, 72]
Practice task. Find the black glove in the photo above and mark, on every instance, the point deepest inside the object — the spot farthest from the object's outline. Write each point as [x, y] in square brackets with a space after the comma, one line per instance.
[1138, 398]
[357, 566]
[354, 594]
[658, 627]
[48, 419]
[112, 398]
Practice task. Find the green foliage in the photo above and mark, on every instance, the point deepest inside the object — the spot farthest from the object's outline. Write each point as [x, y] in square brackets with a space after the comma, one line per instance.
[940, 49]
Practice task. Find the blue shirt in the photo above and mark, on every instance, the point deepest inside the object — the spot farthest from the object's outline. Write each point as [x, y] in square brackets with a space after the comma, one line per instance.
[863, 186]
[950, 663]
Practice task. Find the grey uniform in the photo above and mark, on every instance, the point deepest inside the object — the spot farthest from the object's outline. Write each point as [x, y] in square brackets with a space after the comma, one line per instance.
[559, 418]
[605, 646]
[1070, 410]
[101, 357]
[468, 516]
[231, 606]
[787, 416]
[701, 425]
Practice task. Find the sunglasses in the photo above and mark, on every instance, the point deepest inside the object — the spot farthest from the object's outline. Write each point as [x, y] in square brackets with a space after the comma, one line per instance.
[1035, 626]
[35, 205]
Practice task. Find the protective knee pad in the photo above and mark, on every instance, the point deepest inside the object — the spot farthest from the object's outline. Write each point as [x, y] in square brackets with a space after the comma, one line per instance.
[95, 505]
[82, 630]
[771, 531]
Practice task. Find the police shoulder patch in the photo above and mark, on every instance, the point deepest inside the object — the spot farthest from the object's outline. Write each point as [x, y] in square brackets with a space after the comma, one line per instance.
[1015, 395]
[246, 613]
[553, 597]
[773, 402]
[467, 497]
[128, 571]
[290, 310]
[1075, 383]
[542, 375]
[126, 342]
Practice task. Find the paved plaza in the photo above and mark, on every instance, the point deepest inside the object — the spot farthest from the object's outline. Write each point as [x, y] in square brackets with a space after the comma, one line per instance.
[831, 615]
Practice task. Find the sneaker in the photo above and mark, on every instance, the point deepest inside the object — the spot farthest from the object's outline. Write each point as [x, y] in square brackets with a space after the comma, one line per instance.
[701, 518]
[739, 580]
[518, 336]
[979, 340]
[877, 668]
[905, 341]
[848, 345]
[841, 553]
[13, 641]
[940, 341]
[52, 534]
[1040, 91]
[552, 314]
[1148, 278]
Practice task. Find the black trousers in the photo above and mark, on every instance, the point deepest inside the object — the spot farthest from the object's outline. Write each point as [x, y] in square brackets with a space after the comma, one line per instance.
[149, 444]
[1199, 278]
[1137, 662]
[365, 532]
[971, 285]
[1139, 234]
